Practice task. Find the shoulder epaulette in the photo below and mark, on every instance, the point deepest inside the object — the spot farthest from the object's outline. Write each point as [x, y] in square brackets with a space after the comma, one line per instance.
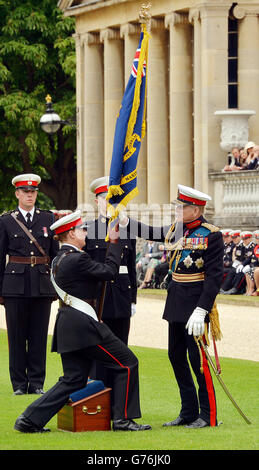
[6, 213]
[210, 227]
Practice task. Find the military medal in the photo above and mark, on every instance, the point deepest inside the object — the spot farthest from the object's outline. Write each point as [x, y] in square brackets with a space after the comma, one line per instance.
[45, 231]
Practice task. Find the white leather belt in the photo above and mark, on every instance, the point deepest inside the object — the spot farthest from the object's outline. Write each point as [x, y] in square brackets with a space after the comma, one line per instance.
[123, 270]
[72, 301]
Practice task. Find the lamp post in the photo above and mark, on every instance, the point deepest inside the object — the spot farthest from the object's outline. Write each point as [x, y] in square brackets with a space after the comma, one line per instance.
[50, 121]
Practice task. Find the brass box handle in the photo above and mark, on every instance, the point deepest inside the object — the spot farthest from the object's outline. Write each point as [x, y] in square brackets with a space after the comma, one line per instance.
[98, 410]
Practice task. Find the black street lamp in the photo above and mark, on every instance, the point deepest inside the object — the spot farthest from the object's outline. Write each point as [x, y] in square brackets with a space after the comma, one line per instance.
[50, 121]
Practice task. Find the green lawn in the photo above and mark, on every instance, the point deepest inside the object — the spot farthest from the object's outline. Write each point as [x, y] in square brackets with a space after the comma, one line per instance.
[159, 402]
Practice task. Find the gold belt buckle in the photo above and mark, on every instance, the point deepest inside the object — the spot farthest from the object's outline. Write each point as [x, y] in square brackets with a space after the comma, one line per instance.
[33, 261]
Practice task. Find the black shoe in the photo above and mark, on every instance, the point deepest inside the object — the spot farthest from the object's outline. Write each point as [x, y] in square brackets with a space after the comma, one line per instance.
[36, 391]
[176, 422]
[23, 424]
[19, 391]
[129, 425]
[198, 423]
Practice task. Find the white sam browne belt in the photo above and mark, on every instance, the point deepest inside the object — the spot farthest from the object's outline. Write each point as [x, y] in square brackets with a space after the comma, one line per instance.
[72, 301]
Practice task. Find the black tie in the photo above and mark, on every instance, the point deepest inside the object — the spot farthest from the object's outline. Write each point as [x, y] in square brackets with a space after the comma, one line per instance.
[28, 216]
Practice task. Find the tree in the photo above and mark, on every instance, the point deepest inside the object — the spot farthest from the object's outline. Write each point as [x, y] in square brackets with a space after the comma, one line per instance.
[37, 57]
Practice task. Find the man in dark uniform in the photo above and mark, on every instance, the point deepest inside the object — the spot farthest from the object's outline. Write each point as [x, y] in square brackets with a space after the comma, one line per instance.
[78, 335]
[228, 251]
[121, 293]
[196, 264]
[25, 287]
[236, 278]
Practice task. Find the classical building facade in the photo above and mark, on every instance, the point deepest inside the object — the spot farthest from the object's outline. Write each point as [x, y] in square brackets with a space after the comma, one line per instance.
[203, 64]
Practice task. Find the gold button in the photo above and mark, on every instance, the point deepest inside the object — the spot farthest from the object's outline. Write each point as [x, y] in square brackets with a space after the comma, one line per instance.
[13, 272]
[16, 235]
[31, 241]
[32, 252]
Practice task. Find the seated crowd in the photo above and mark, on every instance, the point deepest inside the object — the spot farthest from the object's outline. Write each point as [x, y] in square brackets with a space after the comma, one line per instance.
[243, 159]
[241, 264]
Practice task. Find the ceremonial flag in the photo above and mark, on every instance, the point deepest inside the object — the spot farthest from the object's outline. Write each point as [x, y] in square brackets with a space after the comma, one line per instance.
[129, 132]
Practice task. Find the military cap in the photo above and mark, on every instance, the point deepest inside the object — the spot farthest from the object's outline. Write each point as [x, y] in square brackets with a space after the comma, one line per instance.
[68, 222]
[246, 234]
[235, 233]
[26, 181]
[226, 232]
[191, 196]
[256, 233]
[100, 185]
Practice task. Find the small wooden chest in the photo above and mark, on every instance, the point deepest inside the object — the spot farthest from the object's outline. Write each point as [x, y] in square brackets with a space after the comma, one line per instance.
[92, 413]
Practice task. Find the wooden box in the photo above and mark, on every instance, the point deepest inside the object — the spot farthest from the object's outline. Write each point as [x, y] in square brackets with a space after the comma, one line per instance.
[92, 413]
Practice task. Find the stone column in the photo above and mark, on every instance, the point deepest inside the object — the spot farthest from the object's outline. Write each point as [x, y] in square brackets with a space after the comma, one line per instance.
[248, 63]
[158, 166]
[214, 85]
[93, 127]
[194, 18]
[131, 34]
[181, 106]
[80, 90]
[113, 87]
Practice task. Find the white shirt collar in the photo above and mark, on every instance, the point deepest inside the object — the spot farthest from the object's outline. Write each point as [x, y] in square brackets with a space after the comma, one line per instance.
[23, 212]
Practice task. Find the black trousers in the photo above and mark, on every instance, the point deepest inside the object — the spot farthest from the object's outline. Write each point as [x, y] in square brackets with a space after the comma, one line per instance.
[192, 405]
[76, 366]
[27, 322]
[120, 328]
[233, 279]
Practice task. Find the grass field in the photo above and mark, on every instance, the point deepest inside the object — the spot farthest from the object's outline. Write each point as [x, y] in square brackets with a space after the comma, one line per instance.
[159, 402]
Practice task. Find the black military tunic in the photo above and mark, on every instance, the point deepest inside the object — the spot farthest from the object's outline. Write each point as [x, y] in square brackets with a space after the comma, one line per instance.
[27, 293]
[80, 339]
[236, 280]
[197, 272]
[122, 291]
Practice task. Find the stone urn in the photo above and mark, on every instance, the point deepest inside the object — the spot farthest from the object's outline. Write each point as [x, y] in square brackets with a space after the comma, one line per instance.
[234, 128]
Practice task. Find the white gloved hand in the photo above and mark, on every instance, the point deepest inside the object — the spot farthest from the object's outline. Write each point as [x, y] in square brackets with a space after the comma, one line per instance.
[123, 218]
[246, 269]
[195, 324]
[133, 309]
[239, 268]
[235, 263]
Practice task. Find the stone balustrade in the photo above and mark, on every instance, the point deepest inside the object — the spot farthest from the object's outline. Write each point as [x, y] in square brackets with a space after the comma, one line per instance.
[236, 199]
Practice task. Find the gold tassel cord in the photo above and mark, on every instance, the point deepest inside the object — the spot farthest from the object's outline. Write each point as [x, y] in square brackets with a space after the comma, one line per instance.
[215, 324]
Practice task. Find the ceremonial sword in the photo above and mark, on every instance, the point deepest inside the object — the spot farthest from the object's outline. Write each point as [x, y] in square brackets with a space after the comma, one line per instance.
[205, 349]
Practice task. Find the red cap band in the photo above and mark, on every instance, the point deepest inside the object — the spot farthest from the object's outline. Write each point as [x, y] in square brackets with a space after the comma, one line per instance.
[66, 227]
[101, 189]
[197, 202]
[26, 183]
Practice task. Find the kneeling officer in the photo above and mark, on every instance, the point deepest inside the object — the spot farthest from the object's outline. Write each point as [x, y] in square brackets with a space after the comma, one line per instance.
[80, 337]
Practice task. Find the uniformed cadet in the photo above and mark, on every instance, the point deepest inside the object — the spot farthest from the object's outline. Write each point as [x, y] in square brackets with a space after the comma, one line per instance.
[236, 278]
[255, 265]
[228, 250]
[80, 337]
[196, 264]
[25, 287]
[121, 293]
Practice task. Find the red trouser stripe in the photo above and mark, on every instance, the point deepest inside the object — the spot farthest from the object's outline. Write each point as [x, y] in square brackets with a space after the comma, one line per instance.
[210, 390]
[125, 367]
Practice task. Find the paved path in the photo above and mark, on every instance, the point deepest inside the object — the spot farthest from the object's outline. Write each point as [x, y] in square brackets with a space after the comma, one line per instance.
[239, 325]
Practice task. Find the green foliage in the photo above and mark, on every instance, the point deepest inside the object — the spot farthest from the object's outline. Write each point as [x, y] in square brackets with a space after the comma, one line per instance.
[37, 57]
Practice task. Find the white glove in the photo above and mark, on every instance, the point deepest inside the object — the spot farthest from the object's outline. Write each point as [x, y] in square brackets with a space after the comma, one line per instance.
[133, 309]
[246, 269]
[123, 218]
[235, 263]
[195, 324]
[239, 268]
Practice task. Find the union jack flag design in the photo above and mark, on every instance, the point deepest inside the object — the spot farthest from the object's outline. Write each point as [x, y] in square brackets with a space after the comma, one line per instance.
[134, 69]
[129, 132]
